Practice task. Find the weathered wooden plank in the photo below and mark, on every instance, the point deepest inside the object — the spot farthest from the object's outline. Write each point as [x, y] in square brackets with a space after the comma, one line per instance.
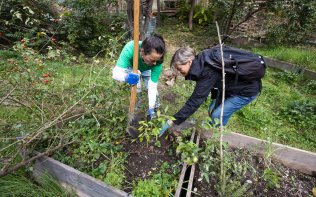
[290, 67]
[82, 183]
[294, 158]
[192, 171]
[178, 191]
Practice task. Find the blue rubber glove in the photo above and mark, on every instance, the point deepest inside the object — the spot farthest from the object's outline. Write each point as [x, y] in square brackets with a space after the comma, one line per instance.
[150, 113]
[164, 128]
[132, 78]
[211, 108]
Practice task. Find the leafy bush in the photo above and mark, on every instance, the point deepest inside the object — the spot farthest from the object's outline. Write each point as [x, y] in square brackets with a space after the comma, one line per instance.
[201, 15]
[301, 113]
[27, 19]
[297, 21]
[91, 29]
[287, 76]
[311, 87]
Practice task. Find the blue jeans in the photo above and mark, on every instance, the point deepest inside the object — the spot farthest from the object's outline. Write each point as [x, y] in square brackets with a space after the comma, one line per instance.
[231, 105]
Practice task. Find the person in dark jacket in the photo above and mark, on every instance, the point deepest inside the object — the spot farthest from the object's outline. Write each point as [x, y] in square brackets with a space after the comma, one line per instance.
[209, 79]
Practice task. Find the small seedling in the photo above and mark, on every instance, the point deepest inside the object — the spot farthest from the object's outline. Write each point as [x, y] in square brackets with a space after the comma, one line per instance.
[158, 144]
[272, 178]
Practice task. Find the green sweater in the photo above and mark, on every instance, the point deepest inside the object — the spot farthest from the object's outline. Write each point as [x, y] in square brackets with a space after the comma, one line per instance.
[126, 59]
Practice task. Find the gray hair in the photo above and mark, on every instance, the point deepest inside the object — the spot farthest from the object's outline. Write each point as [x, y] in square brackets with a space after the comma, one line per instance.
[182, 56]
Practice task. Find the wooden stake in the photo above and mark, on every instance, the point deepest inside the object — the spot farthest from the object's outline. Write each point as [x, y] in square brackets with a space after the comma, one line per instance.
[223, 100]
[135, 56]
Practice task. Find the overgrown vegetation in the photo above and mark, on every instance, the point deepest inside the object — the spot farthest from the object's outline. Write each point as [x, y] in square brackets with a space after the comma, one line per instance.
[302, 56]
[20, 184]
[53, 95]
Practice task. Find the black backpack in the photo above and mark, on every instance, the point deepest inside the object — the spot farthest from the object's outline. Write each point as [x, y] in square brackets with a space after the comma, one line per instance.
[245, 65]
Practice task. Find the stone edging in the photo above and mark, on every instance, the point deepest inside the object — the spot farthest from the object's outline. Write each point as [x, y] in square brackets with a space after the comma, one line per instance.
[290, 67]
[68, 177]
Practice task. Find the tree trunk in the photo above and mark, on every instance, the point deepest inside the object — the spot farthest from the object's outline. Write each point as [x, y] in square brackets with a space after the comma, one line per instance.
[145, 9]
[230, 18]
[130, 16]
[191, 15]
[158, 13]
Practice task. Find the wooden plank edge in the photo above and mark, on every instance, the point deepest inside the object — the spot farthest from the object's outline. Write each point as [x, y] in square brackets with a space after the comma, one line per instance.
[192, 170]
[69, 177]
[297, 159]
[179, 187]
[289, 67]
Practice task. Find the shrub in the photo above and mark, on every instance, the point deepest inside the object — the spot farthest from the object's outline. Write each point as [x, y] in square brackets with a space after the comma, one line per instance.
[26, 19]
[91, 29]
[297, 21]
[201, 15]
[311, 87]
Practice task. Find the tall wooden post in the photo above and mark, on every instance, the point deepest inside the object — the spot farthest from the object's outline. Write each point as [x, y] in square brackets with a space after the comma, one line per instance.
[135, 56]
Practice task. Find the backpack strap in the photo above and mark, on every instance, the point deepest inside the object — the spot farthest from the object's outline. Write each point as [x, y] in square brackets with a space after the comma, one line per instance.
[217, 98]
[236, 70]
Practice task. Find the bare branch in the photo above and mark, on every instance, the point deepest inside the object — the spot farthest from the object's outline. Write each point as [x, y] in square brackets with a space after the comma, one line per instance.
[3, 173]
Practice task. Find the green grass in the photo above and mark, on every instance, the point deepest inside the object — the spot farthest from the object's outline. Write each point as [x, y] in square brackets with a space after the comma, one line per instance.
[20, 184]
[299, 56]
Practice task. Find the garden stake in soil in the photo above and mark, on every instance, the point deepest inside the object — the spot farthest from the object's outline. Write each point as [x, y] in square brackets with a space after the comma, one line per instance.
[131, 115]
[223, 100]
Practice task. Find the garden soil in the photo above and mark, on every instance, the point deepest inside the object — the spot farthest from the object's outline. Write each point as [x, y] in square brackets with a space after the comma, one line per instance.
[143, 160]
[293, 183]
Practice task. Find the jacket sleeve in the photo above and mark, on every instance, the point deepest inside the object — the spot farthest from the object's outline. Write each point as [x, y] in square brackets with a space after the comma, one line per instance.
[202, 89]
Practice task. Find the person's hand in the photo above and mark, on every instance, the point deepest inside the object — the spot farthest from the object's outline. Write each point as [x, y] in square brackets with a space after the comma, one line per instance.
[164, 128]
[151, 112]
[132, 78]
[211, 108]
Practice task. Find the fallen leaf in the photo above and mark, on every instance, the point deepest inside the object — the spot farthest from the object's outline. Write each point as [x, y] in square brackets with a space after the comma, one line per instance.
[314, 191]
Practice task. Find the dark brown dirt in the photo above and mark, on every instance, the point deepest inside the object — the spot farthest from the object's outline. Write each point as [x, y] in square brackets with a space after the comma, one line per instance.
[143, 159]
[170, 97]
[293, 183]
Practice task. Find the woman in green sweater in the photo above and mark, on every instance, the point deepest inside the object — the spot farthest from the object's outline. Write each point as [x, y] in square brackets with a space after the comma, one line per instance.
[151, 56]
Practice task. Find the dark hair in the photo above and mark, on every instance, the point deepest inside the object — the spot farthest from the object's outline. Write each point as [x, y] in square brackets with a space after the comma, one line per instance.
[156, 43]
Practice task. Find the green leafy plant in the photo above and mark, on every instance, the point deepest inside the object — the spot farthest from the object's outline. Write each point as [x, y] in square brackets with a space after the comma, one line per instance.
[287, 76]
[151, 129]
[157, 144]
[295, 23]
[204, 15]
[115, 173]
[146, 188]
[189, 152]
[300, 113]
[311, 87]
[272, 178]
[213, 127]
[269, 148]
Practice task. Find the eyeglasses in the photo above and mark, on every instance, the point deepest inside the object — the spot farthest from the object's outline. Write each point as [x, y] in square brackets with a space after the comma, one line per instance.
[153, 61]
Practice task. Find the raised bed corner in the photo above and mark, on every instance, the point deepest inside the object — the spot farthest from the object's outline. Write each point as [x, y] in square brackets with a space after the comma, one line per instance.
[70, 178]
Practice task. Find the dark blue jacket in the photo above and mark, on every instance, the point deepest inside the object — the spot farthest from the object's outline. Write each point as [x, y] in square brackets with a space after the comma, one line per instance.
[207, 78]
